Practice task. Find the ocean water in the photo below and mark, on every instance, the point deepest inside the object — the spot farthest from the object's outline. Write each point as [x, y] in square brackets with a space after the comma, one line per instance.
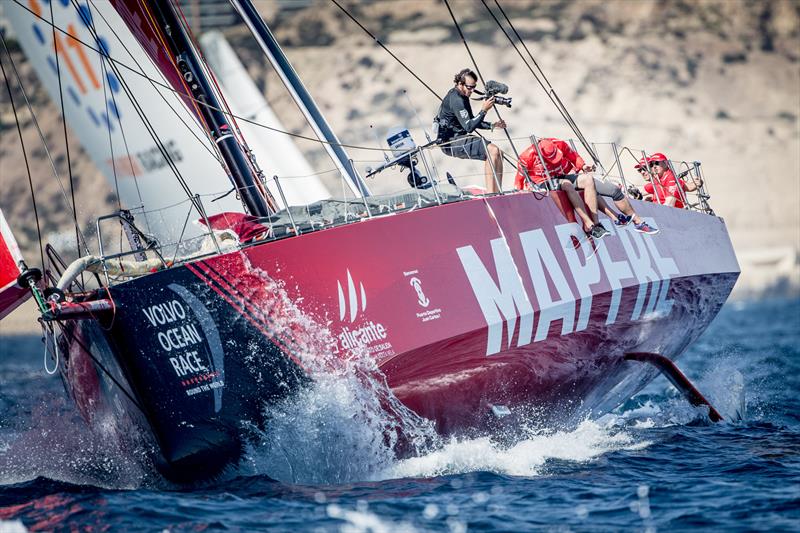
[654, 464]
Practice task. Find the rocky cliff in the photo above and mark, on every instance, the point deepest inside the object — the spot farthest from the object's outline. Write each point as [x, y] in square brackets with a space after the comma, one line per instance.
[715, 81]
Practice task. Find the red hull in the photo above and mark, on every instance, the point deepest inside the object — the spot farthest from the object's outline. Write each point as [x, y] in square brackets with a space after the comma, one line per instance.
[487, 302]
[480, 313]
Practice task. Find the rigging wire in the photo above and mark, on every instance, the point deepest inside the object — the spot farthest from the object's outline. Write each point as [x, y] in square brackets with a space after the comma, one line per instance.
[116, 63]
[152, 82]
[257, 172]
[475, 64]
[37, 126]
[25, 156]
[546, 85]
[147, 124]
[351, 17]
[108, 123]
[78, 234]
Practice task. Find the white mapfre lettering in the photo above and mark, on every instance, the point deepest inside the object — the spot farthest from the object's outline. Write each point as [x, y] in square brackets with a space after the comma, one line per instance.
[634, 246]
[585, 272]
[501, 303]
[541, 265]
[616, 271]
[503, 297]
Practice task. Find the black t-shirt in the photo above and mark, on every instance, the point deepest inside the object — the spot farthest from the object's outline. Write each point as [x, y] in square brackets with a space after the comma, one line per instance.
[456, 118]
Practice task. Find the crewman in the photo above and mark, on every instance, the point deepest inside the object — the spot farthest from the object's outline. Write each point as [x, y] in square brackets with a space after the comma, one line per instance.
[665, 188]
[456, 122]
[569, 172]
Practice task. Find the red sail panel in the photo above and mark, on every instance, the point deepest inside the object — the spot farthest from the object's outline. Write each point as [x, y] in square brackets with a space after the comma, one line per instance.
[140, 22]
[11, 295]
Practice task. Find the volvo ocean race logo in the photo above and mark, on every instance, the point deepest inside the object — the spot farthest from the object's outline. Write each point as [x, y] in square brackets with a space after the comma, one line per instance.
[189, 341]
[365, 333]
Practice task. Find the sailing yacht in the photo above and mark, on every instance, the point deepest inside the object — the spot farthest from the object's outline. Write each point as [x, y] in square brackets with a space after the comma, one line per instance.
[481, 311]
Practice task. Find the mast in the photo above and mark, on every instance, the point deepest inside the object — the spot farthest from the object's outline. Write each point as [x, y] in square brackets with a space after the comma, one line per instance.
[269, 45]
[188, 63]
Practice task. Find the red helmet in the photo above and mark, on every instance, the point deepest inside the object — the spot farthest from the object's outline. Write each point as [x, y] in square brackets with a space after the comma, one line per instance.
[657, 158]
[642, 163]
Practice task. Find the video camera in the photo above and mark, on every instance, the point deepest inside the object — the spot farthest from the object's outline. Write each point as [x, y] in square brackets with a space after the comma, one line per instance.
[495, 89]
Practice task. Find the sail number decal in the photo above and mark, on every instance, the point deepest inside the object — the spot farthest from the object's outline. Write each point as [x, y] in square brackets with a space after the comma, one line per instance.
[66, 53]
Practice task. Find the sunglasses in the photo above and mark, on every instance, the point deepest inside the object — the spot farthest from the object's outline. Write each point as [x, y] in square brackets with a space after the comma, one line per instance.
[470, 87]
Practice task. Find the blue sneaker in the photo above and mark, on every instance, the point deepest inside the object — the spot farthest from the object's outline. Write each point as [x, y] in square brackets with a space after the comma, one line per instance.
[644, 227]
[622, 220]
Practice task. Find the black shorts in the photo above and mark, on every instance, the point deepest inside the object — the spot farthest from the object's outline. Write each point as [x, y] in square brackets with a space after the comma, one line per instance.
[466, 147]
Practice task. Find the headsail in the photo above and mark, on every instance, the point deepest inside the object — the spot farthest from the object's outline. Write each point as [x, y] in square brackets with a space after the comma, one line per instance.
[109, 127]
[11, 295]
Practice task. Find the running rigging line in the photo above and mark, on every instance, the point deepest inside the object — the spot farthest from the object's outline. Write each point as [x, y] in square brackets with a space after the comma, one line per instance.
[475, 63]
[25, 156]
[116, 64]
[119, 120]
[38, 127]
[139, 66]
[351, 17]
[546, 86]
[147, 124]
[66, 143]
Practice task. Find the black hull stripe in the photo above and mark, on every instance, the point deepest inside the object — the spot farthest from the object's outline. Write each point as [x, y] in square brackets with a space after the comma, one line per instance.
[239, 303]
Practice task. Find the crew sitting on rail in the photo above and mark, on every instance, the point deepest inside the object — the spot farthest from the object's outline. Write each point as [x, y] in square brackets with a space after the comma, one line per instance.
[664, 188]
[456, 121]
[569, 172]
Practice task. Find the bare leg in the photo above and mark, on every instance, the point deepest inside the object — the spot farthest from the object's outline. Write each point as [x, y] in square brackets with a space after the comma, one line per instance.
[603, 206]
[577, 204]
[586, 182]
[492, 167]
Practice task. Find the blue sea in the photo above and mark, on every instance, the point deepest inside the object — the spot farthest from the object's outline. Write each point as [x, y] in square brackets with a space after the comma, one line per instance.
[655, 464]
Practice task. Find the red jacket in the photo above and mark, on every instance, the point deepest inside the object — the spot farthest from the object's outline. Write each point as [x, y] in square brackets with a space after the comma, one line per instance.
[570, 163]
[665, 187]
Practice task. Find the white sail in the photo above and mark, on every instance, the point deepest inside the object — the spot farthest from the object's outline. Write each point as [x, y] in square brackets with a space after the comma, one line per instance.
[98, 109]
[275, 152]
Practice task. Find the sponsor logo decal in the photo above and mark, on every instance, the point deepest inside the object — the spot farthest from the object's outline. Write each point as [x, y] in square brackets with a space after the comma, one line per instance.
[421, 298]
[190, 342]
[428, 314]
[362, 334]
[352, 301]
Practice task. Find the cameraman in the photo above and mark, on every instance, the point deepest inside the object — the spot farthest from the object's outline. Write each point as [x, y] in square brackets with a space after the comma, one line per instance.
[456, 122]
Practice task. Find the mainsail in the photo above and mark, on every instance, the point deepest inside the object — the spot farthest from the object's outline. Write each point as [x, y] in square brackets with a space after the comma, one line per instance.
[276, 152]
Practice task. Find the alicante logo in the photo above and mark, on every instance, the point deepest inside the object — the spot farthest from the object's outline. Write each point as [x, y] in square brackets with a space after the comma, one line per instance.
[352, 301]
[366, 333]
